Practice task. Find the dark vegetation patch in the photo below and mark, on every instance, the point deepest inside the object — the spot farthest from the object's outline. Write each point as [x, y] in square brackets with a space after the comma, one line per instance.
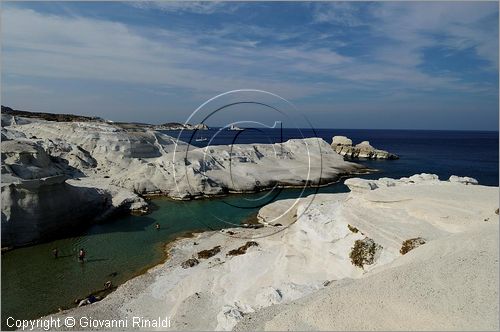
[190, 263]
[352, 228]
[49, 116]
[411, 244]
[204, 254]
[243, 249]
[364, 251]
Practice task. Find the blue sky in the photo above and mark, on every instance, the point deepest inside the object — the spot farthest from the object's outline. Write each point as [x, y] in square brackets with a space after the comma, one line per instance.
[394, 65]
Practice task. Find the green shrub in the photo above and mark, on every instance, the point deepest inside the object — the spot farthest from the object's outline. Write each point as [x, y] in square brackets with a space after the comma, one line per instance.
[243, 249]
[209, 252]
[364, 251]
[411, 244]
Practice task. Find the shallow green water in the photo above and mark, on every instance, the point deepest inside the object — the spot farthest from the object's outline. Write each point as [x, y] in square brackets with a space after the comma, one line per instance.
[36, 284]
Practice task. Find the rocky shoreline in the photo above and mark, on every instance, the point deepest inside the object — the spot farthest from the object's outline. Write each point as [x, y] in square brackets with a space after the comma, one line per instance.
[111, 167]
[282, 272]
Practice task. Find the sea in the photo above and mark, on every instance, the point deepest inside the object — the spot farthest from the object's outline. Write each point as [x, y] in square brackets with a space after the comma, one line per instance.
[444, 153]
[36, 284]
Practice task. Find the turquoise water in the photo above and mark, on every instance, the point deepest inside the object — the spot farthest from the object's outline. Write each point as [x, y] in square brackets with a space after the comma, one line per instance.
[36, 284]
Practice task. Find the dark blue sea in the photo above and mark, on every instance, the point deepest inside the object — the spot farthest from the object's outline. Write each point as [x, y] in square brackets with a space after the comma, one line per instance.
[445, 153]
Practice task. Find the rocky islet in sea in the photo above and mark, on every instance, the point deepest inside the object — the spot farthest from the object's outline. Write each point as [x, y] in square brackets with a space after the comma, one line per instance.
[344, 146]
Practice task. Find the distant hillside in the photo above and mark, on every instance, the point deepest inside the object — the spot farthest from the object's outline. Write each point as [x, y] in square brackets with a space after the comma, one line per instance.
[81, 118]
[49, 116]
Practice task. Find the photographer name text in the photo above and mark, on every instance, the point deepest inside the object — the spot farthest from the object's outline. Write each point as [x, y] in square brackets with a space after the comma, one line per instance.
[49, 323]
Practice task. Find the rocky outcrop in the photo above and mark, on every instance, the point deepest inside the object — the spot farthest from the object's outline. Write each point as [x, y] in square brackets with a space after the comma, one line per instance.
[200, 126]
[37, 203]
[343, 146]
[181, 126]
[341, 141]
[361, 185]
[150, 162]
[463, 179]
[47, 208]
[120, 162]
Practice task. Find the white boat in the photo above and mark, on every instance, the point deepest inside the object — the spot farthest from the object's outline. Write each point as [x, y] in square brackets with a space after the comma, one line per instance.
[201, 139]
[233, 127]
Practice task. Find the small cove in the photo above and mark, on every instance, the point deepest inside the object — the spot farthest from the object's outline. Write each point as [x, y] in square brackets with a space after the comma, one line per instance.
[35, 284]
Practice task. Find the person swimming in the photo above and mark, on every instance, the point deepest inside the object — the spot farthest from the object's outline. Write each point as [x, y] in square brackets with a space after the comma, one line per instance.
[81, 255]
[157, 226]
[89, 300]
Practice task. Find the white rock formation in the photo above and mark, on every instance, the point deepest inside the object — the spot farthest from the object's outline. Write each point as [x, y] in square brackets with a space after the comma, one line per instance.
[146, 161]
[39, 203]
[122, 161]
[448, 282]
[343, 146]
[341, 140]
[180, 126]
[463, 179]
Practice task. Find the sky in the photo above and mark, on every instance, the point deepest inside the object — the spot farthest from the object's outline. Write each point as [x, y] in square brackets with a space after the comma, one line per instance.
[380, 65]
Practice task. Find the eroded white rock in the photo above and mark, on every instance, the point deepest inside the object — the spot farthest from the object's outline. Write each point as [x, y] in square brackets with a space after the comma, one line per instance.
[294, 264]
[343, 146]
[341, 140]
[463, 179]
[124, 161]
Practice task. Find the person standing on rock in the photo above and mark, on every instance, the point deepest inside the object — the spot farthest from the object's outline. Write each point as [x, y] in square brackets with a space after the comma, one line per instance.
[55, 252]
[81, 255]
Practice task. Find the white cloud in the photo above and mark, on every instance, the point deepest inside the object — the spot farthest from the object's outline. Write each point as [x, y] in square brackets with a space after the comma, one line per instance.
[342, 13]
[197, 7]
[416, 26]
[67, 47]
[210, 62]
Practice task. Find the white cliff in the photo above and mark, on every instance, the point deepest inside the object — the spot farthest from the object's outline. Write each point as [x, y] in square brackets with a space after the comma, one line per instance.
[38, 201]
[121, 163]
